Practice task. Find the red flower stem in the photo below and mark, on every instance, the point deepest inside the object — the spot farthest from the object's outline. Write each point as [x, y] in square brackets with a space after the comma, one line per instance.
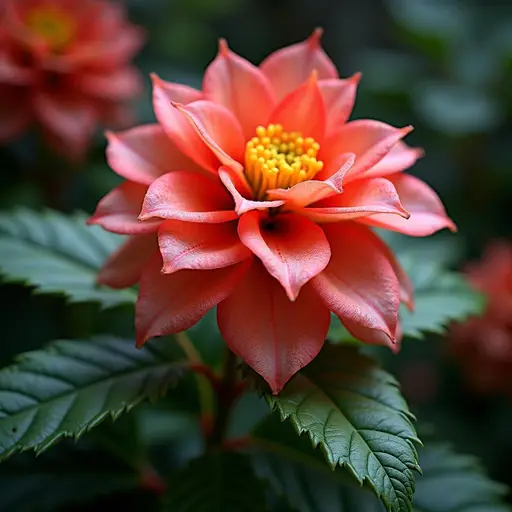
[227, 393]
[206, 371]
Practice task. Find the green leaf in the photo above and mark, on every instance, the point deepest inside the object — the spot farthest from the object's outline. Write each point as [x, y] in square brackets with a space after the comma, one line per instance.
[218, 482]
[73, 385]
[354, 411]
[58, 254]
[456, 483]
[441, 296]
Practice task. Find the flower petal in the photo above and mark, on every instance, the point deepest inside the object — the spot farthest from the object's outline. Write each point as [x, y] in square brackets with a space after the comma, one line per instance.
[172, 303]
[339, 97]
[359, 284]
[119, 210]
[274, 336]
[145, 153]
[233, 183]
[199, 246]
[369, 140]
[427, 213]
[118, 84]
[188, 196]
[292, 248]
[360, 198]
[176, 125]
[310, 191]
[400, 157]
[302, 110]
[219, 130]
[289, 67]
[124, 267]
[230, 79]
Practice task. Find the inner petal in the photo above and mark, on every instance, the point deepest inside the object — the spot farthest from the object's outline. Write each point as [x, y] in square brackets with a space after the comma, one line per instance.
[275, 158]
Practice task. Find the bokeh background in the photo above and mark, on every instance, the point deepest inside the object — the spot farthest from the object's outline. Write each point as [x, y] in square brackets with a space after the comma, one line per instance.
[444, 66]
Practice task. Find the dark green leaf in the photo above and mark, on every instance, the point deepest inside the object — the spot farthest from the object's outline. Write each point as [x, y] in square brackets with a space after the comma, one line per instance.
[219, 482]
[355, 412]
[456, 483]
[58, 254]
[73, 385]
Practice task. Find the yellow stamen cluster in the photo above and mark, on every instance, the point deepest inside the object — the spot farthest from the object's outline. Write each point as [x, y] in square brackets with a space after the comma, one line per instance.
[279, 159]
[54, 25]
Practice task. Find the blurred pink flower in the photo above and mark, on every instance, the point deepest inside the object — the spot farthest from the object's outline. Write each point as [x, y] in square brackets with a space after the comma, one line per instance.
[65, 65]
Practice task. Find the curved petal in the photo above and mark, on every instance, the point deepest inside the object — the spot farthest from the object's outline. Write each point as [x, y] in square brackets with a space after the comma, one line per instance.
[292, 248]
[118, 85]
[13, 73]
[219, 130]
[189, 197]
[175, 124]
[310, 191]
[172, 303]
[234, 183]
[360, 198]
[427, 213]
[405, 285]
[145, 153]
[124, 267]
[369, 140]
[339, 97]
[400, 157]
[199, 246]
[229, 80]
[372, 336]
[289, 67]
[359, 284]
[302, 110]
[177, 93]
[274, 336]
[71, 120]
[119, 210]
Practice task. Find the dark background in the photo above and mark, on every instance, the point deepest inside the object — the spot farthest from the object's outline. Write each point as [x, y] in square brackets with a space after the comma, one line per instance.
[441, 65]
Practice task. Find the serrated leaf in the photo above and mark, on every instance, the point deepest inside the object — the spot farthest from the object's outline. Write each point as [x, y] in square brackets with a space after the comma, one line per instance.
[294, 470]
[73, 385]
[354, 411]
[441, 296]
[218, 482]
[456, 483]
[58, 254]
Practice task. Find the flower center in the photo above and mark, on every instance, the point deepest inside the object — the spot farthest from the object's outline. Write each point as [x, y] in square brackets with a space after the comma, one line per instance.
[52, 24]
[279, 159]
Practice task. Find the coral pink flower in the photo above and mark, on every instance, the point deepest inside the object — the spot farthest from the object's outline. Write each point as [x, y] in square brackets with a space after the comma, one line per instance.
[484, 344]
[261, 197]
[65, 64]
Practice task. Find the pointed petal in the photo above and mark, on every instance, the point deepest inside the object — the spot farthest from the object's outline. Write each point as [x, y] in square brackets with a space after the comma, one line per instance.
[230, 79]
[292, 248]
[339, 97]
[308, 192]
[302, 110]
[234, 183]
[427, 213]
[370, 335]
[119, 210]
[219, 130]
[400, 157]
[360, 198]
[145, 153]
[359, 284]
[199, 246]
[172, 303]
[176, 125]
[124, 267]
[274, 336]
[369, 140]
[289, 67]
[189, 197]
[177, 93]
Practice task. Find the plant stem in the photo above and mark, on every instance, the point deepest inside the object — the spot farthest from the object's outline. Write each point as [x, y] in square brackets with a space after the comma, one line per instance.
[227, 393]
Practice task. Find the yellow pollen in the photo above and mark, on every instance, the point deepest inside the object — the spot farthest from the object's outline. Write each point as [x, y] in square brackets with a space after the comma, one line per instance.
[54, 25]
[279, 159]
